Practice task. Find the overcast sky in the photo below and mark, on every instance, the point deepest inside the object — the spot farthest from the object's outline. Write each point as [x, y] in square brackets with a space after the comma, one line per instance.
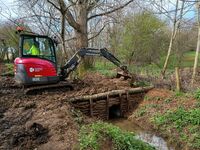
[7, 9]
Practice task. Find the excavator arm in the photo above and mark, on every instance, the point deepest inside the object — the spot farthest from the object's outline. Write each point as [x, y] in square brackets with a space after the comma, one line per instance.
[72, 64]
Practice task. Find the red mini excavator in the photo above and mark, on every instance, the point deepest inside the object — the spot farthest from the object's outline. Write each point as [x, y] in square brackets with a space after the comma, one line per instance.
[41, 68]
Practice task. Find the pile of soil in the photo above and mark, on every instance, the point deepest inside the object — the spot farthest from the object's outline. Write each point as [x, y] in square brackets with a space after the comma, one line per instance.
[44, 121]
[96, 83]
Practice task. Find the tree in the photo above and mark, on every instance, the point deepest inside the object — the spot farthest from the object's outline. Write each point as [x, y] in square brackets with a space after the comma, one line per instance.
[198, 45]
[8, 41]
[78, 13]
[176, 26]
[143, 38]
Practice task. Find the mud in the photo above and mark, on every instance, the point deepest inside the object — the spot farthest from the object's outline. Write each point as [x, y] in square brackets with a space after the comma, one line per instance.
[29, 122]
[44, 121]
[36, 134]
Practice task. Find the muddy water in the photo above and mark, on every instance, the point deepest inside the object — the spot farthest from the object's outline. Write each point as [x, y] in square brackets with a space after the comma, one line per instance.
[158, 142]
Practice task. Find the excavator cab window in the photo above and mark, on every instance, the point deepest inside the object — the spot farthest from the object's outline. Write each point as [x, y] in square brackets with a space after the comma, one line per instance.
[38, 46]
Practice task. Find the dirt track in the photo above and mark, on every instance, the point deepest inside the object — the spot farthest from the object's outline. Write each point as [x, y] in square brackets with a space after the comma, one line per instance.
[44, 121]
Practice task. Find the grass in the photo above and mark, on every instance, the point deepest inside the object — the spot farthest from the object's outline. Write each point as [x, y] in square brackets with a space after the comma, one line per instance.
[7, 70]
[108, 69]
[105, 67]
[141, 112]
[180, 120]
[187, 60]
[197, 94]
[9, 66]
[91, 137]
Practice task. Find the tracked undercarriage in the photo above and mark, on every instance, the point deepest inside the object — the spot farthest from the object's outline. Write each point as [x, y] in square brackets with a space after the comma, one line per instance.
[62, 86]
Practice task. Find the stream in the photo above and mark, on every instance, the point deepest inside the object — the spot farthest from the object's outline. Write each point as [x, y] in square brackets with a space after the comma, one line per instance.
[151, 138]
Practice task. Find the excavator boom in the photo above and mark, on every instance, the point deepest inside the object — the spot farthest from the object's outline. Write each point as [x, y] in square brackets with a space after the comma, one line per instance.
[72, 64]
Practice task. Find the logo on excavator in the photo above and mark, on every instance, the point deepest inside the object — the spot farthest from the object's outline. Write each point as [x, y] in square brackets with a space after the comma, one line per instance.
[35, 69]
[31, 69]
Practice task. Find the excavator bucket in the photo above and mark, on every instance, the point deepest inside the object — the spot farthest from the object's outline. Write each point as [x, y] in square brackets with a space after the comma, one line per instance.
[123, 74]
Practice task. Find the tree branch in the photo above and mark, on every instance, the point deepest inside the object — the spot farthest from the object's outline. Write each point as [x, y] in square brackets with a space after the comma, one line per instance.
[64, 10]
[99, 31]
[54, 5]
[71, 20]
[111, 11]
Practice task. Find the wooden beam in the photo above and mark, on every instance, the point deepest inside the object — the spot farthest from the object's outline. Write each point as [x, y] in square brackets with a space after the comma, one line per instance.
[113, 93]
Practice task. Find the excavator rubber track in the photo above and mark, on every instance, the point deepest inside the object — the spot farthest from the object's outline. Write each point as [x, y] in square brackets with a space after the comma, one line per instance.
[59, 87]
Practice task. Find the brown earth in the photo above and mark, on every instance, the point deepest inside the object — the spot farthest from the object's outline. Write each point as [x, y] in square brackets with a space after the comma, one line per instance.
[45, 121]
[30, 121]
[163, 100]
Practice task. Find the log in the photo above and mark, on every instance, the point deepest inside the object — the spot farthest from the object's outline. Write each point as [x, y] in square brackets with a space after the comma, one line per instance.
[113, 93]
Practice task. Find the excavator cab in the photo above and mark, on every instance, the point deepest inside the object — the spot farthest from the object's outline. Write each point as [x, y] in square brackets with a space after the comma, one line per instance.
[36, 63]
[37, 46]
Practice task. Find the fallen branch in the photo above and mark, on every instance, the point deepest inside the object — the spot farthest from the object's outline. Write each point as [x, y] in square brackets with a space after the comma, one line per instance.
[112, 93]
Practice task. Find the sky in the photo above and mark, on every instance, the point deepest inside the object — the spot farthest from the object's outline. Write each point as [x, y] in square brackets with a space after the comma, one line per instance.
[7, 9]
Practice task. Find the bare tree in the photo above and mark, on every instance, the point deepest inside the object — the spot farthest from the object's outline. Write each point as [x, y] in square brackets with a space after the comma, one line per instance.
[176, 26]
[76, 14]
[198, 45]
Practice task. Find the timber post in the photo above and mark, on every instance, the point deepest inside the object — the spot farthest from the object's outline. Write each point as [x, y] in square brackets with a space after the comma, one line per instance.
[120, 103]
[91, 107]
[107, 107]
[128, 101]
[98, 105]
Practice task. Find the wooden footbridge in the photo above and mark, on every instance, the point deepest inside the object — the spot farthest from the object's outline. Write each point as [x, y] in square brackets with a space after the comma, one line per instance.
[99, 105]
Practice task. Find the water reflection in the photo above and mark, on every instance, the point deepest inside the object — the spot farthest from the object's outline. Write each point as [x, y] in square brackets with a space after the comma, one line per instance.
[158, 142]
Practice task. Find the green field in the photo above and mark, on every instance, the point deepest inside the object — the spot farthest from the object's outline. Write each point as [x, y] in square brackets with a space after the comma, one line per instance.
[186, 61]
[105, 67]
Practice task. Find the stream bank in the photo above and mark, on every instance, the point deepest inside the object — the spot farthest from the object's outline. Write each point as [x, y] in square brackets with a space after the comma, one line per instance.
[147, 136]
[173, 115]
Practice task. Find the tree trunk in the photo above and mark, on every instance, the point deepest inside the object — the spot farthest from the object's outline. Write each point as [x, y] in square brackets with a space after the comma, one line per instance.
[173, 35]
[7, 55]
[82, 36]
[197, 49]
[168, 54]
[178, 84]
[63, 33]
